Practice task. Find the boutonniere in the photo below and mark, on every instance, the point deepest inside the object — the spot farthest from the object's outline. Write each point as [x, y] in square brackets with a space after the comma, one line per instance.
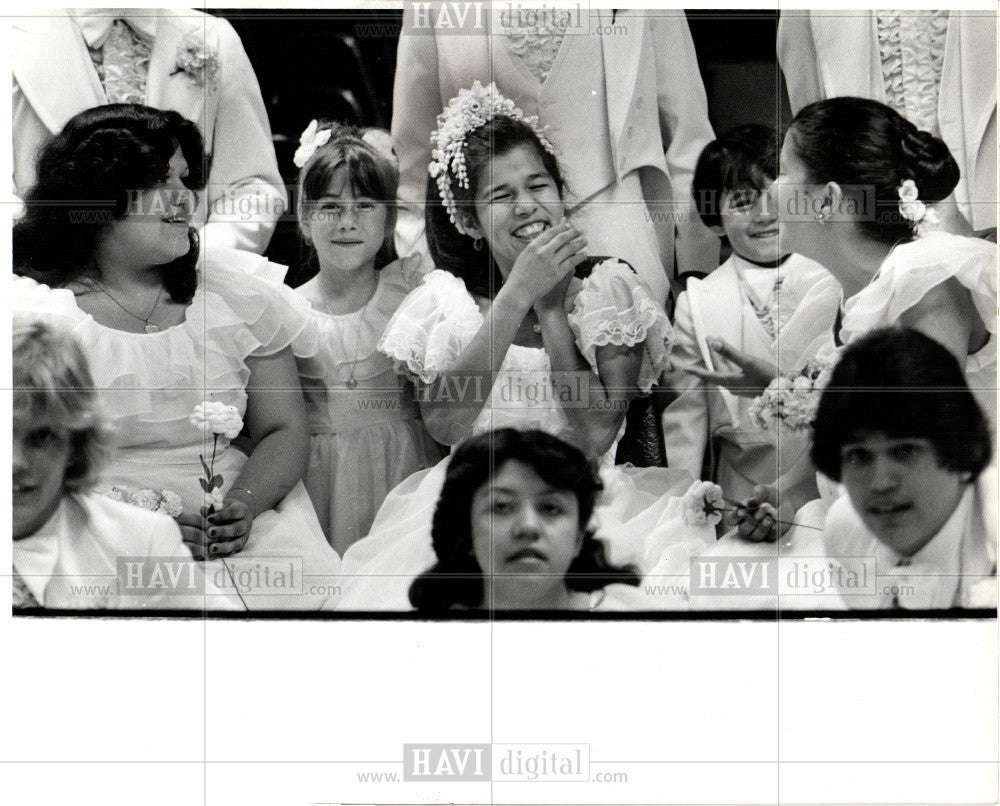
[198, 59]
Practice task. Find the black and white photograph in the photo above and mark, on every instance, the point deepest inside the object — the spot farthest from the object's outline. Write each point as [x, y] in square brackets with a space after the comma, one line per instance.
[503, 402]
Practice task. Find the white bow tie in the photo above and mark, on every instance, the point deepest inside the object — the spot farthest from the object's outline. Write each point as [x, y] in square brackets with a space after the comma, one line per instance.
[96, 22]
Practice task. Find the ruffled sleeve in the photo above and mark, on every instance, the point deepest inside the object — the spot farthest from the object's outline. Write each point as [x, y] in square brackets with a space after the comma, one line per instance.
[614, 308]
[263, 315]
[37, 301]
[432, 327]
[242, 261]
[915, 268]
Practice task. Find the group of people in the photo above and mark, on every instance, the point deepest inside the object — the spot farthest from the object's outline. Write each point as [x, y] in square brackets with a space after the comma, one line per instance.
[504, 294]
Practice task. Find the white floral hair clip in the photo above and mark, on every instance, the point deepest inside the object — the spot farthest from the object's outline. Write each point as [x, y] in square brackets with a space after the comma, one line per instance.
[310, 140]
[467, 111]
[922, 218]
[381, 141]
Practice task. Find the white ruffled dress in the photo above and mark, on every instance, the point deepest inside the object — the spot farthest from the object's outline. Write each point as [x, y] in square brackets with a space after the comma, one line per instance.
[150, 384]
[367, 435]
[915, 268]
[640, 516]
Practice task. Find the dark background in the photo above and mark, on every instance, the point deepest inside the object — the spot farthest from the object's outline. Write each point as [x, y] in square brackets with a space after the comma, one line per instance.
[333, 64]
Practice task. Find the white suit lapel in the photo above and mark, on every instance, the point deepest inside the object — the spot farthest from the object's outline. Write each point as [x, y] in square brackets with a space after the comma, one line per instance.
[819, 296]
[968, 95]
[53, 68]
[622, 56]
[848, 54]
[168, 89]
[709, 315]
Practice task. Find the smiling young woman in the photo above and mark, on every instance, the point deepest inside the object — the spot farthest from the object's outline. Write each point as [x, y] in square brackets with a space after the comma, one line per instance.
[164, 326]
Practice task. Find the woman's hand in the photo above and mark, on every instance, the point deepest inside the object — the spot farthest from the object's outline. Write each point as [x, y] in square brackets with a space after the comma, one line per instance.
[757, 518]
[229, 528]
[217, 534]
[546, 263]
[193, 534]
[750, 376]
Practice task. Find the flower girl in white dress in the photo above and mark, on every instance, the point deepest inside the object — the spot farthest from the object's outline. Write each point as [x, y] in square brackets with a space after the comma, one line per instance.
[506, 334]
[364, 421]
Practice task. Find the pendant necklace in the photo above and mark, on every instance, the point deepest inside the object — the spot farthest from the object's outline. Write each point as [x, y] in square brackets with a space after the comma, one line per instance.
[351, 382]
[148, 327]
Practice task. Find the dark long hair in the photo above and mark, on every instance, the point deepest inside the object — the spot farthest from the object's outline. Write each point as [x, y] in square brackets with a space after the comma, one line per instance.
[450, 249]
[902, 384]
[87, 177]
[866, 144]
[456, 578]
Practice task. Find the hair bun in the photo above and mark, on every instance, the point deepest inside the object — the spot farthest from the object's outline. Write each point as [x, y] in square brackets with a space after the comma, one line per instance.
[928, 159]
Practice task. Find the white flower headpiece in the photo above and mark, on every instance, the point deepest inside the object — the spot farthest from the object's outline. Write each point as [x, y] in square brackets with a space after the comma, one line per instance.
[310, 140]
[377, 139]
[467, 111]
[921, 217]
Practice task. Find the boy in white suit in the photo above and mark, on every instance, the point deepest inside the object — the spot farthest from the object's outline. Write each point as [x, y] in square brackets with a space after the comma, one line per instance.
[183, 60]
[762, 301]
[900, 430]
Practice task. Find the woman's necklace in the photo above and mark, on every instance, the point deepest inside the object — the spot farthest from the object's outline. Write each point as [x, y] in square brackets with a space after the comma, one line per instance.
[147, 325]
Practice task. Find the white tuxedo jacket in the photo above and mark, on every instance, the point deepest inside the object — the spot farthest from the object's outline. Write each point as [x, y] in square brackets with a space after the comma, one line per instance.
[629, 102]
[54, 79]
[706, 422]
[848, 542]
[826, 54]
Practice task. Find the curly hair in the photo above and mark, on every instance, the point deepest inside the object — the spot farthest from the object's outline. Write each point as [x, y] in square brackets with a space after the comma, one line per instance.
[901, 383]
[862, 143]
[88, 175]
[370, 173]
[52, 379]
[456, 578]
[450, 249]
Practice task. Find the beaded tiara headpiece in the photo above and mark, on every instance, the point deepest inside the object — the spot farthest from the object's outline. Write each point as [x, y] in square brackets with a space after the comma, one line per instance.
[466, 112]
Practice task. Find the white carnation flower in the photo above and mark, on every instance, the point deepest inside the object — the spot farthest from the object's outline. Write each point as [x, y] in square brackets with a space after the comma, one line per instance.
[220, 418]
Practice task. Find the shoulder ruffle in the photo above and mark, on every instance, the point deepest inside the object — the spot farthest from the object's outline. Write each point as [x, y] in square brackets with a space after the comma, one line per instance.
[336, 348]
[432, 327]
[233, 316]
[261, 315]
[243, 261]
[914, 268]
[39, 301]
[613, 307]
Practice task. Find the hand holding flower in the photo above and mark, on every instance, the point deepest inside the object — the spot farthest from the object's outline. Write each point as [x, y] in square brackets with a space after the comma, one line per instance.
[229, 528]
[758, 519]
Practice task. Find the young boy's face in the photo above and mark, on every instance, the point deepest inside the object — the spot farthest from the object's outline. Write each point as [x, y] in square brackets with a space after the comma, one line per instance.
[899, 488]
[750, 223]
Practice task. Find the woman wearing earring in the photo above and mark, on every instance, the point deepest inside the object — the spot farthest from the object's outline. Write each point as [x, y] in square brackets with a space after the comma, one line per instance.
[854, 193]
